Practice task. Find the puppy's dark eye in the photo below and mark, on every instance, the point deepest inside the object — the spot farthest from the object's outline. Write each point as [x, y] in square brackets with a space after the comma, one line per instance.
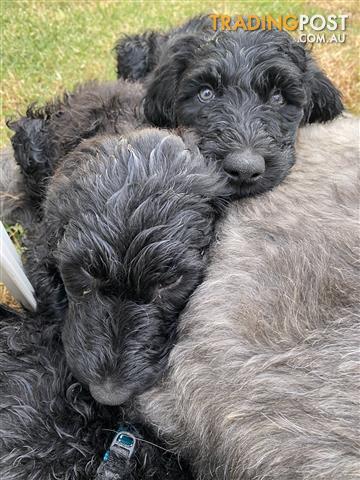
[206, 94]
[276, 97]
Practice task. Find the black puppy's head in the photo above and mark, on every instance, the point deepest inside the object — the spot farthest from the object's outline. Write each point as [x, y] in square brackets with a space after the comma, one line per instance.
[244, 94]
[130, 221]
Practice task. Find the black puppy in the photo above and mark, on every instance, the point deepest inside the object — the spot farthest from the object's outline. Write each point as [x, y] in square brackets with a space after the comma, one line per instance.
[50, 426]
[243, 93]
[45, 135]
[122, 245]
[137, 55]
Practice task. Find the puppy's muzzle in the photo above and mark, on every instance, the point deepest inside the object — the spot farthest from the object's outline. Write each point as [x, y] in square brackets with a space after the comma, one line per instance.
[244, 167]
[109, 394]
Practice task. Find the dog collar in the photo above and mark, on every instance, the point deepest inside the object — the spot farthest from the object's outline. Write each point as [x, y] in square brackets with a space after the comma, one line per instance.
[123, 443]
[119, 453]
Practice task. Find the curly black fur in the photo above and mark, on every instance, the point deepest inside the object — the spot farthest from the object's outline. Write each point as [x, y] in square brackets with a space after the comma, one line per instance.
[137, 55]
[46, 134]
[264, 83]
[122, 245]
[263, 86]
[50, 426]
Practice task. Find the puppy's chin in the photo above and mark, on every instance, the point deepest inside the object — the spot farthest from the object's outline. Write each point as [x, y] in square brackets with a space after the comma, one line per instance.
[241, 190]
[276, 170]
[246, 189]
[110, 393]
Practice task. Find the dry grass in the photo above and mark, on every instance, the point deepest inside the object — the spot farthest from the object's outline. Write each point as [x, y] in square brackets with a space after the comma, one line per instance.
[16, 233]
[341, 61]
[6, 298]
[347, 78]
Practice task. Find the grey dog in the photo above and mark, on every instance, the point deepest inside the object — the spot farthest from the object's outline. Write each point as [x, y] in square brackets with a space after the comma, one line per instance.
[264, 380]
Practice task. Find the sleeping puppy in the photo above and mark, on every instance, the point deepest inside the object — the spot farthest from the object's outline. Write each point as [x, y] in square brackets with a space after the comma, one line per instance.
[122, 245]
[127, 223]
[51, 427]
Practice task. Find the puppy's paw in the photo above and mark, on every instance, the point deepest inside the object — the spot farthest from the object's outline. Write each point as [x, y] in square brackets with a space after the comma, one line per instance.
[136, 55]
[30, 153]
[28, 142]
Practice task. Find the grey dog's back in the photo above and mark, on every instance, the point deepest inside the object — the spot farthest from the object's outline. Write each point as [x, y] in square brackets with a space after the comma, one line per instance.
[264, 380]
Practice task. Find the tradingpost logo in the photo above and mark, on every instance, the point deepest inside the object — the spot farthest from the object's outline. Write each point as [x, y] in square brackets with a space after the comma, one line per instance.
[325, 29]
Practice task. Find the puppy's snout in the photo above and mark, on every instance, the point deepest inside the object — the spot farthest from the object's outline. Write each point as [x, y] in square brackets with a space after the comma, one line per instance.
[246, 166]
[109, 394]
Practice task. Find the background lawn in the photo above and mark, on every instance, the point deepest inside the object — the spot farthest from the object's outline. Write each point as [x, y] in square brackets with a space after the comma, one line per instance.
[48, 46]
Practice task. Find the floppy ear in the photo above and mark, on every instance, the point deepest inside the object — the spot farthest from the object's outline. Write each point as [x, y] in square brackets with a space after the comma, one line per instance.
[42, 269]
[160, 99]
[325, 99]
[137, 55]
[30, 151]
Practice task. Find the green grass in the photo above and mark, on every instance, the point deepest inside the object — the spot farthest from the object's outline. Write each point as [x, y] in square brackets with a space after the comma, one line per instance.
[49, 46]
[16, 233]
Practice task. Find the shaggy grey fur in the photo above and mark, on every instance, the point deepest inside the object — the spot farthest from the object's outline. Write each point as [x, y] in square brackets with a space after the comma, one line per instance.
[242, 94]
[264, 382]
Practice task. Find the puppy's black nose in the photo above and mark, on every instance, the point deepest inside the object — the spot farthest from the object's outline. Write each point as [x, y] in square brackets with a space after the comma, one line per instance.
[246, 166]
[109, 394]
